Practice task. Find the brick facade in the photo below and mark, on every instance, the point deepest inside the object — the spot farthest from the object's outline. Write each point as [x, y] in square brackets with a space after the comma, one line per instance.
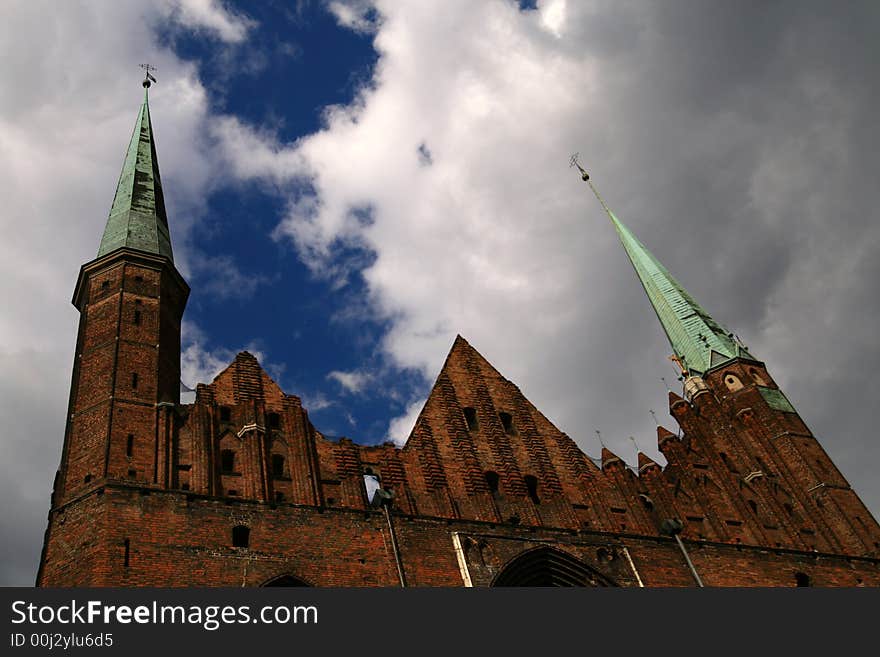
[151, 492]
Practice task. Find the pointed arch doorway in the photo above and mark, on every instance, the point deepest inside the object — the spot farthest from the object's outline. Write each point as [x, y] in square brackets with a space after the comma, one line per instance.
[549, 567]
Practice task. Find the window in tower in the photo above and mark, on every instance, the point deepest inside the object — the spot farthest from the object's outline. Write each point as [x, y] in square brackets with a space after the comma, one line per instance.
[225, 414]
[732, 382]
[126, 544]
[241, 536]
[278, 466]
[470, 416]
[134, 380]
[137, 318]
[756, 375]
[507, 423]
[227, 461]
[274, 421]
[753, 506]
[129, 445]
[532, 488]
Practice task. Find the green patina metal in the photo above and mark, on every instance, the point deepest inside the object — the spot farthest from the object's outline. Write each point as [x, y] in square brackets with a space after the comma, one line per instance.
[137, 218]
[697, 339]
[776, 399]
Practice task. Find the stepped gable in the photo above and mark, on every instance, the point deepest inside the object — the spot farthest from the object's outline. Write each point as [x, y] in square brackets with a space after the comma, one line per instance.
[245, 379]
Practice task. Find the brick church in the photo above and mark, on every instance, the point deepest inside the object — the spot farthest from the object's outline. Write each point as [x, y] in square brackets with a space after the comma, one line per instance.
[239, 488]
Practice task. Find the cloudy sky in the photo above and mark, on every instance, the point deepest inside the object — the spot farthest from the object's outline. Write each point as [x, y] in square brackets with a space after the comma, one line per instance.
[350, 184]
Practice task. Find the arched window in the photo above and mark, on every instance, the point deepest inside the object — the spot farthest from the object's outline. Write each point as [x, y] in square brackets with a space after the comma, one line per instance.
[802, 579]
[286, 580]
[532, 487]
[241, 536]
[732, 382]
[549, 567]
[227, 461]
[756, 375]
[278, 471]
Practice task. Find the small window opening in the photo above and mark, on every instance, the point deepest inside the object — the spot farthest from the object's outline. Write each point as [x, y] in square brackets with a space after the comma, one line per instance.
[371, 485]
[532, 487]
[274, 421]
[756, 375]
[802, 579]
[789, 509]
[184, 486]
[105, 285]
[277, 466]
[87, 479]
[241, 536]
[132, 474]
[139, 279]
[232, 492]
[753, 506]
[227, 461]
[127, 547]
[732, 382]
[507, 423]
[225, 414]
[470, 416]
[129, 445]
[134, 380]
[279, 496]
[492, 480]
[137, 318]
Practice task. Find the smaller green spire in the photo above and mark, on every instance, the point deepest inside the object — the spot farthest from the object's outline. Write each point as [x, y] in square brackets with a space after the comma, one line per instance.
[137, 217]
[698, 341]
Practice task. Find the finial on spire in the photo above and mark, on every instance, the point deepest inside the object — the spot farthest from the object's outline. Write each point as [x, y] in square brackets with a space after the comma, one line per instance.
[573, 162]
[147, 77]
[599, 435]
[654, 415]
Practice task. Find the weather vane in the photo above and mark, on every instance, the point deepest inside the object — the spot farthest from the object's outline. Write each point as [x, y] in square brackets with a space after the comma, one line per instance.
[147, 77]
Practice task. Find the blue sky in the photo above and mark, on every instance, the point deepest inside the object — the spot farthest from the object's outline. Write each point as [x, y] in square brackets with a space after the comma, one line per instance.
[352, 183]
[296, 318]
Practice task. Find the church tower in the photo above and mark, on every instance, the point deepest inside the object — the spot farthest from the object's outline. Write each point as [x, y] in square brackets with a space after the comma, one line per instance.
[126, 372]
[734, 410]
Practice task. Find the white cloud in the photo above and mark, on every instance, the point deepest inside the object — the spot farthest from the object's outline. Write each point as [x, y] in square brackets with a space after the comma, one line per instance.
[210, 16]
[400, 427]
[357, 15]
[200, 363]
[352, 382]
[495, 238]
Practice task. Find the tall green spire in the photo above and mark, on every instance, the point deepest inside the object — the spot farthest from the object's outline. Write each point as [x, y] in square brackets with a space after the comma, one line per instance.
[698, 341]
[137, 218]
